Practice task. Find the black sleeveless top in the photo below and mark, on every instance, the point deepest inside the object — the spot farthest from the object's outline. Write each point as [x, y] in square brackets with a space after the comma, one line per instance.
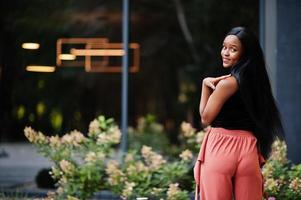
[234, 115]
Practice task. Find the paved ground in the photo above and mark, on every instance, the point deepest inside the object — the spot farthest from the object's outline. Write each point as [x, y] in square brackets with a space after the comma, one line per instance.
[19, 164]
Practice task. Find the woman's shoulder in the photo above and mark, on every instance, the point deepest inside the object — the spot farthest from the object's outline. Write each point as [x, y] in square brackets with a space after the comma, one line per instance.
[229, 83]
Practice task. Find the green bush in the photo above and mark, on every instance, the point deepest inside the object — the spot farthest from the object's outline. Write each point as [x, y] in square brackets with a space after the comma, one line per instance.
[85, 164]
[79, 161]
[282, 178]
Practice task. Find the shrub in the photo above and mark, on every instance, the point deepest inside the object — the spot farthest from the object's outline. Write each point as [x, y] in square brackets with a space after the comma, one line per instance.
[79, 161]
[86, 164]
[282, 178]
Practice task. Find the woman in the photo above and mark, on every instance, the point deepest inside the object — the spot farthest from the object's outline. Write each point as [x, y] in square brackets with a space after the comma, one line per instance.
[244, 123]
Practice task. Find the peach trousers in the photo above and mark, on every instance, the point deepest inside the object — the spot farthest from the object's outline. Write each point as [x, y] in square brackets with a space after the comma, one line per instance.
[228, 166]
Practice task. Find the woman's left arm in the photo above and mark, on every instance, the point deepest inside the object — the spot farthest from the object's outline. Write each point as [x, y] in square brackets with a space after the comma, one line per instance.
[224, 90]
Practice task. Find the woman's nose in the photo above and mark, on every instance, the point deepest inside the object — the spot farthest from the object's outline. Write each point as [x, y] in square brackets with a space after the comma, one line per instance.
[226, 53]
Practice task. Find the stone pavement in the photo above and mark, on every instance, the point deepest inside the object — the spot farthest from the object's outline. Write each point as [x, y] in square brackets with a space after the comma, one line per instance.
[19, 164]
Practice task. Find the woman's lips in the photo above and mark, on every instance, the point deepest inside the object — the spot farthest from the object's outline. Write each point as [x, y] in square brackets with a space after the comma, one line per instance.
[226, 60]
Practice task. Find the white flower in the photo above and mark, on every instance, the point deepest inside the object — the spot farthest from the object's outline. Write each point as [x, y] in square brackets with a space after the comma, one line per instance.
[146, 151]
[94, 128]
[78, 137]
[112, 166]
[60, 190]
[55, 172]
[75, 138]
[115, 135]
[30, 134]
[128, 189]
[93, 157]
[187, 129]
[90, 157]
[67, 139]
[138, 167]
[35, 137]
[54, 141]
[129, 158]
[112, 136]
[66, 166]
[267, 170]
[279, 151]
[152, 159]
[199, 137]
[156, 162]
[186, 155]
[115, 175]
[295, 185]
[102, 138]
[172, 191]
[272, 185]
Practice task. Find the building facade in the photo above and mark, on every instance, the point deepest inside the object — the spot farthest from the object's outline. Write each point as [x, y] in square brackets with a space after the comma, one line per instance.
[280, 35]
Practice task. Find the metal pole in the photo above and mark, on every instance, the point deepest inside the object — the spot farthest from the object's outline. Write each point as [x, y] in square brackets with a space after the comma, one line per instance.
[124, 94]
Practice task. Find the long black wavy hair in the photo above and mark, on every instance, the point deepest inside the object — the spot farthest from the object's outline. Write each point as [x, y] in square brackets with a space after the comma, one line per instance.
[255, 88]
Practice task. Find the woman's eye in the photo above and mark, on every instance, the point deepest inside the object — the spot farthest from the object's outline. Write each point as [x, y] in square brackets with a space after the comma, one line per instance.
[233, 50]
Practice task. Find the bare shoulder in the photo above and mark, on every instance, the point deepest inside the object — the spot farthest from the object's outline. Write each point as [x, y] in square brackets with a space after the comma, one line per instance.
[230, 84]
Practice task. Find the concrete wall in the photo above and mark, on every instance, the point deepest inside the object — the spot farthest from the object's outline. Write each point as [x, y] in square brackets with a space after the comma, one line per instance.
[288, 73]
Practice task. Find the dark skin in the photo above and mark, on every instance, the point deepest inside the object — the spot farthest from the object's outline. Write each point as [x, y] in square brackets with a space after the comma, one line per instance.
[216, 91]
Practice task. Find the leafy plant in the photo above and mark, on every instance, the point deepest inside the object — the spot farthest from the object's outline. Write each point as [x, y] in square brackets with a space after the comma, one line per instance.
[282, 178]
[79, 161]
[148, 174]
[85, 164]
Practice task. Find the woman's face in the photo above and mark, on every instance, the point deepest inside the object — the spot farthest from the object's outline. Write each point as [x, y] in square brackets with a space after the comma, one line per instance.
[231, 51]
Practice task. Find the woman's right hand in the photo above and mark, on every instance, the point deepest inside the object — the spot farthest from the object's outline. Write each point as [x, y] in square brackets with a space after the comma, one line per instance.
[211, 82]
